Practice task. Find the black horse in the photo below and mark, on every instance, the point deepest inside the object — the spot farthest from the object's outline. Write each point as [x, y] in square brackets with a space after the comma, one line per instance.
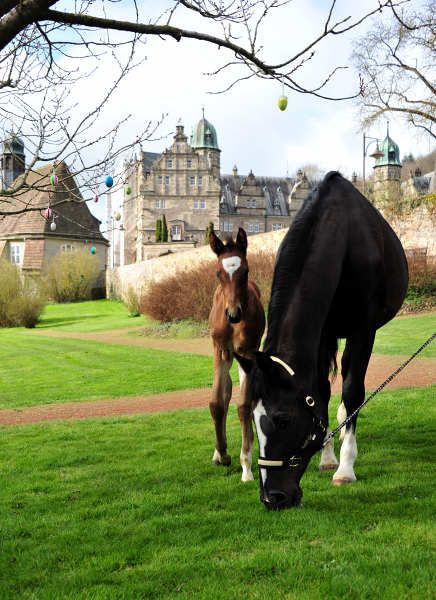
[340, 272]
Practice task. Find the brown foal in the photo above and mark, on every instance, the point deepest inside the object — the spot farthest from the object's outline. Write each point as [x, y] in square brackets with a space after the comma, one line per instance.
[237, 323]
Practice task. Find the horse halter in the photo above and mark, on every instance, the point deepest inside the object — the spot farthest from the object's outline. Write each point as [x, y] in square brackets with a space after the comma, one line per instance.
[293, 461]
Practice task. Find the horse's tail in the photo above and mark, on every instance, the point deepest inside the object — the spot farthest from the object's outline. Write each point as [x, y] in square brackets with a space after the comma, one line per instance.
[328, 353]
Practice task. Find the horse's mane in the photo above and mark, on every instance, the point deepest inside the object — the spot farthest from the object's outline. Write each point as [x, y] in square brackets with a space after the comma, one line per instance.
[293, 254]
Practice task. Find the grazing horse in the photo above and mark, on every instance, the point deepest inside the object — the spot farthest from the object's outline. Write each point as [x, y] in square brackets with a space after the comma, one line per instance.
[237, 323]
[340, 272]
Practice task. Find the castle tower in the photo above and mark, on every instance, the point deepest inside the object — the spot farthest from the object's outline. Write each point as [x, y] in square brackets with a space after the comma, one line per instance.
[204, 138]
[11, 159]
[387, 169]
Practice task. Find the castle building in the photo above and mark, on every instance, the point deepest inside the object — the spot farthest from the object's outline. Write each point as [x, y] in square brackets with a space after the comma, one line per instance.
[185, 183]
[387, 169]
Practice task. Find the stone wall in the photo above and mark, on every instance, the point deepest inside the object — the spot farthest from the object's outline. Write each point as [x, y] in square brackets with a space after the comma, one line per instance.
[416, 229]
[141, 273]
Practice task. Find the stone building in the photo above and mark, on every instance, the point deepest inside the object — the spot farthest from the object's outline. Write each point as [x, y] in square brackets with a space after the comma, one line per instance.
[387, 169]
[185, 183]
[28, 239]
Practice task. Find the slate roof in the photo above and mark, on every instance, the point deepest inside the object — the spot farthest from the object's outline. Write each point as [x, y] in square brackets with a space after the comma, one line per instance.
[276, 190]
[149, 158]
[74, 218]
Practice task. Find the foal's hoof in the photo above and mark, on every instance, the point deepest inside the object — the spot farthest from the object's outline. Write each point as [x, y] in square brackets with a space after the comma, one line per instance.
[330, 467]
[342, 481]
[217, 463]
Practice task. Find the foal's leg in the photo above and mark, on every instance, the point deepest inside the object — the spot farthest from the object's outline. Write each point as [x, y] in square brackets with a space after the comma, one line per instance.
[354, 365]
[244, 414]
[219, 403]
[328, 459]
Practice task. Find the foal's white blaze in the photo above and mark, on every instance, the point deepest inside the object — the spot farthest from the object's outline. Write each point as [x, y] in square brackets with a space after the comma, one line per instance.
[257, 413]
[347, 458]
[231, 264]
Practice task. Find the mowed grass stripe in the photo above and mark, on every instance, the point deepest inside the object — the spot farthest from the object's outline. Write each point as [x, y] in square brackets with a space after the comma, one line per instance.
[132, 508]
[37, 370]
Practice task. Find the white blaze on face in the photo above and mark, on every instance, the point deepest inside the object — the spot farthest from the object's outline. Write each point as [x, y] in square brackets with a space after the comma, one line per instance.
[257, 413]
[231, 264]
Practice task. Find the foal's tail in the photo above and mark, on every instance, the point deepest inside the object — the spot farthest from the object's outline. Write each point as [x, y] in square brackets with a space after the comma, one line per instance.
[328, 352]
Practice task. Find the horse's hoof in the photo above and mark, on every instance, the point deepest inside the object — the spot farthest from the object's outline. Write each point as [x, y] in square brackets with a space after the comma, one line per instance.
[342, 481]
[247, 477]
[217, 463]
[330, 467]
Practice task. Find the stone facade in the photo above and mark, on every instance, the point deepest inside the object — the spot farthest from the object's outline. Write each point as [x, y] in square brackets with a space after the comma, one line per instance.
[185, 184]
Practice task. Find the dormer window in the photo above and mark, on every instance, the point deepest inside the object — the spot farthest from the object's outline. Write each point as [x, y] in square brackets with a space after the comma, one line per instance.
[248, 204]
[189, 164]
[265, 189]
[159, 180]
[169, 164]
[279, 189]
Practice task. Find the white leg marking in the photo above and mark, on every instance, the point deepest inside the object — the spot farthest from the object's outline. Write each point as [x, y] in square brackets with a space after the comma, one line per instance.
[328, 458]
[257, 413]
[345, 473]
[246, 460]
[241, 375]
[341, 416]
[231, 264]
[216, 456]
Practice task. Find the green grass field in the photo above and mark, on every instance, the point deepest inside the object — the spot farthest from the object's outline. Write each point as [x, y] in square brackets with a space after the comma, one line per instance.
[131, 507]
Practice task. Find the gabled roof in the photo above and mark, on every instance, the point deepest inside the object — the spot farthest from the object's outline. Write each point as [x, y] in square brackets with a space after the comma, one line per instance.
[73, 217]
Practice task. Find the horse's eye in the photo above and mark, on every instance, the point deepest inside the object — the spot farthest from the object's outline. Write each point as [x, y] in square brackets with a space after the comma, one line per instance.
[284, 423]
[218, 275]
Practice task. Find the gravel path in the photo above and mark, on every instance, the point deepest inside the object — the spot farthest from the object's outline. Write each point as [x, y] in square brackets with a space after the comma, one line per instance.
[420, 372]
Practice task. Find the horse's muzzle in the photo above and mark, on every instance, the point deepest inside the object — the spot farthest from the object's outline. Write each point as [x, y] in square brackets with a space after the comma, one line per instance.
[277, 500]
[234, 315]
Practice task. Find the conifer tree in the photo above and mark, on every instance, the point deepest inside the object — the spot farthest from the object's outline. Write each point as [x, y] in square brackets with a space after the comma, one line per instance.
[207, 232]
[158, 234]
[164, 229]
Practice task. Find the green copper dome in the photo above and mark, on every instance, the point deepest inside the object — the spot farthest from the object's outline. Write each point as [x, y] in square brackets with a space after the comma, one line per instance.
[204, 135]
[391, 154]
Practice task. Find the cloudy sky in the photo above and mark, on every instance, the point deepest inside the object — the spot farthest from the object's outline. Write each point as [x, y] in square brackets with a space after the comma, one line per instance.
[252, 132]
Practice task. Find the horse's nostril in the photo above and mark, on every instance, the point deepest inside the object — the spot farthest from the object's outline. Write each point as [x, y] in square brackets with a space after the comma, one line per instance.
[276, 499]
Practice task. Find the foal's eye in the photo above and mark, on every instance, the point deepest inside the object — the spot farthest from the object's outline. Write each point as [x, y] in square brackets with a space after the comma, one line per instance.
[218, 275]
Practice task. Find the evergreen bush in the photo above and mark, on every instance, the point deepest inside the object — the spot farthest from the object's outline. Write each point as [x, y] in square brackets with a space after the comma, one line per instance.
[158, 234]
[164, 229]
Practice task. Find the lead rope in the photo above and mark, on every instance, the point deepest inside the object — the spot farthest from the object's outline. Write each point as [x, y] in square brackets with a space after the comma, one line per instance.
[388, 380]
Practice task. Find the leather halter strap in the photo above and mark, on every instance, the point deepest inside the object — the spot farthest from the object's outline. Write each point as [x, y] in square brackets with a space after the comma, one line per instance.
[279, 360]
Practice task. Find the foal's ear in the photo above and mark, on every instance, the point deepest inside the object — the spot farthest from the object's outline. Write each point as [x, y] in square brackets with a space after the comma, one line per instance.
[246, 364]
[216, 244]
[241, 240]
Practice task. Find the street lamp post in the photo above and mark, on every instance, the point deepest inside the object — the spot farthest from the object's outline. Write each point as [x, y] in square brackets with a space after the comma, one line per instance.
[375, 154]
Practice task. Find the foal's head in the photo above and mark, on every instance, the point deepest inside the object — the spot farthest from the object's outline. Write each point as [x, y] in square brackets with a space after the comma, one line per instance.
[232, 272]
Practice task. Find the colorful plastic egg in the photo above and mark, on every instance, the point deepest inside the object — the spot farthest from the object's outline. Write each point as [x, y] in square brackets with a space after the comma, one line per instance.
[53, 226]
[109, 181]
[117, 216]
[96, 195]
[48, 213]
[93, 250]
[128, 190]
[283, 102]
[54, 179]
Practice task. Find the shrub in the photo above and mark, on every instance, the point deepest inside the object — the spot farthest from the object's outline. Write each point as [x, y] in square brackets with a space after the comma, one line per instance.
[68, 278]
[422, 278]
[131, 299]
[11, 287]
[182, 297]
[25, 311]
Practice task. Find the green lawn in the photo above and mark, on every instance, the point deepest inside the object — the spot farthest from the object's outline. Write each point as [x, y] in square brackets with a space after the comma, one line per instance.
[405, 335]
[93, 315]
[131, 507]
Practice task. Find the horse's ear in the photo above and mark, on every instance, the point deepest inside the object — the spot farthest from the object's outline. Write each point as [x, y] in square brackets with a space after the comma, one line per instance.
[216, 244]
[241, 240]
[246, 364]
[265, 364]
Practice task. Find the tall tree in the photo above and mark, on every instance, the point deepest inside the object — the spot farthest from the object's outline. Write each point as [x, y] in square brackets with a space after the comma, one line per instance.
[396, 58]
[164, 229]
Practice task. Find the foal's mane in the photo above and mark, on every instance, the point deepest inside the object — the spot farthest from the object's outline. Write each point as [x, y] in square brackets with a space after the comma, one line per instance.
[293, 253]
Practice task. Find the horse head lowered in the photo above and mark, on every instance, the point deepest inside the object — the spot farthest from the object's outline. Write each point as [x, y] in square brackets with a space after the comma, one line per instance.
[290, 428]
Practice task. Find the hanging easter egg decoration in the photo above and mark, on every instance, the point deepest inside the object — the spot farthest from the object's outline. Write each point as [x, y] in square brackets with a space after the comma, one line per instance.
[283, 100]
[117, 216]
[96, 195]
[54, 178]
[53, 226]
[128, 190]
[93, 250]
[48, 213]
[109, 181]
